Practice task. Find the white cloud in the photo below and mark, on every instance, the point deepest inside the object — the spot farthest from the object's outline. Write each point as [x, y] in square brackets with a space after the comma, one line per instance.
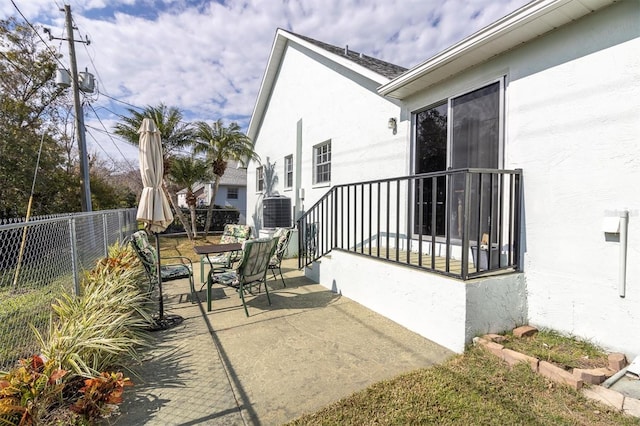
[209, 60]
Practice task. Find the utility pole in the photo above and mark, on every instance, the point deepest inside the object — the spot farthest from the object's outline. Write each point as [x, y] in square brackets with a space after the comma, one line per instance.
[85, 194]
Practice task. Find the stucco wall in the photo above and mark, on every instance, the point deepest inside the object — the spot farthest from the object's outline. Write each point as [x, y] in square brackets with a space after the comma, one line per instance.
[572, 120]
[312, 101]
[575, 129]
[573, 126]
[449, 312]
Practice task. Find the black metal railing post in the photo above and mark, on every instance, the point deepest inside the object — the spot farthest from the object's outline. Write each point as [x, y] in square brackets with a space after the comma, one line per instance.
[466, 207]
[481, 214]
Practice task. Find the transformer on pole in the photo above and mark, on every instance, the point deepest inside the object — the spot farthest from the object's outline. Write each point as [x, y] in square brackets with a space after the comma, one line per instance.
[83, 81]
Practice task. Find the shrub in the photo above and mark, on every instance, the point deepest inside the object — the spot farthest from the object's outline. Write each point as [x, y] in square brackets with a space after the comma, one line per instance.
[90, 333]
[105, 323]
[29, 390]
[101, 395]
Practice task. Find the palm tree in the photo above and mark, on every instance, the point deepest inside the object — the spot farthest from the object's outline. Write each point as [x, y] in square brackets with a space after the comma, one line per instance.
[174, 133]
[220, 144]
[185, 172]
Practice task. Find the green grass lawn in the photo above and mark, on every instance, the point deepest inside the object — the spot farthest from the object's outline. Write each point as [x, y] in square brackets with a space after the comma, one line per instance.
[18, 312]
[181, 246]
[471, 389]
[564, 351]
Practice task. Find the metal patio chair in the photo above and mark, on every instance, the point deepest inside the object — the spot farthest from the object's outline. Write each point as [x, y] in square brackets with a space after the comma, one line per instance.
[169, 271]
[283, 235]
[251, 271]
[310, 245]
[232, 233]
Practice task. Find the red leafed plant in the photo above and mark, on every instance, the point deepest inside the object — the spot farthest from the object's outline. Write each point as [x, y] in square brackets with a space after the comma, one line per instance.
[29, 390]
[101, 395]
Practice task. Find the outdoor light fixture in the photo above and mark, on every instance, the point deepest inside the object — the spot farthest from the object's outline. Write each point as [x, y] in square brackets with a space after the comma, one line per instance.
[393, 125]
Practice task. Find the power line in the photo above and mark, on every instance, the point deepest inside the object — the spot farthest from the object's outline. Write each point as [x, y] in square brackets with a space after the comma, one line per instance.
[109, 134]
[55, 54]
[122, 102]
[111, 111]
[16, 66]
[86, 48]
[94, 68]
[99, 77]
[103, 150]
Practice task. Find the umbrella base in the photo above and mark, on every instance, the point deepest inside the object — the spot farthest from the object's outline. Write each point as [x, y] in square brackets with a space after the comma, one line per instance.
[165, 323]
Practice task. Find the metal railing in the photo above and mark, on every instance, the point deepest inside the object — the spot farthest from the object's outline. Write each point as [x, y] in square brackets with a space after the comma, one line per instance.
[462, 223]
[42, 258]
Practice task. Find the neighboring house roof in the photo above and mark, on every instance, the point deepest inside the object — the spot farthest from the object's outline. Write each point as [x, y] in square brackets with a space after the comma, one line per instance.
[525, 24]
[374, 69]
[233, 176]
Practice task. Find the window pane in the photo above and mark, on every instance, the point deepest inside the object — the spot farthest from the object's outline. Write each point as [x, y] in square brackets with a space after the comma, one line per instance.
[323, 163]
[431, 156]
[475, 123]
[475, 141]
[431, 139]
[259, 179]
[288, 171]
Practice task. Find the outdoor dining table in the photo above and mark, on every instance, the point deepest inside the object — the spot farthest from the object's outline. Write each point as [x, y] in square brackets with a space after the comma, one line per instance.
[209, 249]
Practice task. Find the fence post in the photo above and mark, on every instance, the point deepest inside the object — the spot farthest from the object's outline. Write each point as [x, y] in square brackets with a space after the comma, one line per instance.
[104, 234]
[74, 255]
[120, 225]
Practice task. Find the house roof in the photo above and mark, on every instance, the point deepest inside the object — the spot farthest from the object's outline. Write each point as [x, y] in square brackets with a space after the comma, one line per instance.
[534, 19]
[375, 69]
[379, 66]
[233, 176]
[531, 21]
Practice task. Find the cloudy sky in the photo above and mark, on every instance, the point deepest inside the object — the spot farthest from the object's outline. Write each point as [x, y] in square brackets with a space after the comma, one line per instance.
[208, 57]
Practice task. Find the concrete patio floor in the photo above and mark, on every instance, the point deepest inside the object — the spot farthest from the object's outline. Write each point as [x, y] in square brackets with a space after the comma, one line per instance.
[310, 348]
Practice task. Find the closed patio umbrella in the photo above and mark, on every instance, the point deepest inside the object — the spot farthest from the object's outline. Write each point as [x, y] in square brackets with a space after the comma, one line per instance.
[154, 209]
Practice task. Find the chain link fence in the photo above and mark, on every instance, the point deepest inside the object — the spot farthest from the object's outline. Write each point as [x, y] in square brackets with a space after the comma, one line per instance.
[42, 258]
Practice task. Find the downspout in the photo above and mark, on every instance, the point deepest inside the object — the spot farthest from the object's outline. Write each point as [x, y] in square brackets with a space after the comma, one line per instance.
[298, 172]
[622, 274]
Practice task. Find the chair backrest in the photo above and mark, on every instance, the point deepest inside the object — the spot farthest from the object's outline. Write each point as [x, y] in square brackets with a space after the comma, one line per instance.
[283, 235]
[255, 259]
[310, 239]
[146, 253]
[235, 233]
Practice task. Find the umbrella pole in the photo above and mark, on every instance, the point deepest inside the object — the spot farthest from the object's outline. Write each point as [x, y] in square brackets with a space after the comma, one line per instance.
[161, 307]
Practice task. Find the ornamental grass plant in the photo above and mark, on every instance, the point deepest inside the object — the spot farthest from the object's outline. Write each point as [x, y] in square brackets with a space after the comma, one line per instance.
[72, 381]
[105, 323]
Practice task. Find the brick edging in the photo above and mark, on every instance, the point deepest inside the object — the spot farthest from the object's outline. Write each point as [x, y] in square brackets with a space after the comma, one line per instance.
[575, 379]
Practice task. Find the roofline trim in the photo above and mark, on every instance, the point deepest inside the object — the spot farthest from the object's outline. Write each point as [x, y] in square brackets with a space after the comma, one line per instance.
[275, 58]
[498, 29]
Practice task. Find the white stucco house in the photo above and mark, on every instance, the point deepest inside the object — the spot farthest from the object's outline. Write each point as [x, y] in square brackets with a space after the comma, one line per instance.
[492, 185]
[232, 191]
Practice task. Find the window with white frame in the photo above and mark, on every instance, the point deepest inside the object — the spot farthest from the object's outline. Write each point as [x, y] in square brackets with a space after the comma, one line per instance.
[260, 179]
[288, 171]
[322, 163]
[232, 193]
